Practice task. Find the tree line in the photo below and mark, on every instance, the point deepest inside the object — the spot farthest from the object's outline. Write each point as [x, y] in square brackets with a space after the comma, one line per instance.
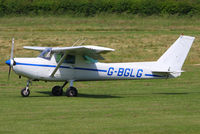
[94, 7]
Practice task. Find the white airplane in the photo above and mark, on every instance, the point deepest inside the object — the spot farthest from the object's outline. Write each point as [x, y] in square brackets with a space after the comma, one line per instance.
[80, 63]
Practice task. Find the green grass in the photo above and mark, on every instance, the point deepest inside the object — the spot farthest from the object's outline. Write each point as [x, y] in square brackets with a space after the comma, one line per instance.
[136, 38]
[146, 106]
[106, 107]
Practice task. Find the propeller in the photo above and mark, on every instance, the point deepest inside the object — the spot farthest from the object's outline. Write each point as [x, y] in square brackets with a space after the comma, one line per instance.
[11, 61]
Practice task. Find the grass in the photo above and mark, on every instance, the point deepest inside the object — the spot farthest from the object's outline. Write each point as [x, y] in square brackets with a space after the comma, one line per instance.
[136, 38]
[147, 106]
[108, 107]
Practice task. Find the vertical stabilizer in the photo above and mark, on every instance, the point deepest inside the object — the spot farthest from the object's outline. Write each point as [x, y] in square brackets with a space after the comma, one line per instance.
[175, 56]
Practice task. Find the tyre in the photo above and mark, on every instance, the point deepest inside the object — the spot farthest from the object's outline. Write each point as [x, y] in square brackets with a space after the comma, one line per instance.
[25, 93]
[71, 92]
[57, 91]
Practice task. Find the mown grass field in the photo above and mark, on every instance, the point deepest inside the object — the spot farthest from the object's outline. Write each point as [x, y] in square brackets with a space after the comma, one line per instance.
[107, 107]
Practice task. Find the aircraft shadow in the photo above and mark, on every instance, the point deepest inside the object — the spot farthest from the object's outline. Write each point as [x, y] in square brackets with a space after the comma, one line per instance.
[104, 96]
[97, 96]
[84, 95]
[184, 93]
[45, 92]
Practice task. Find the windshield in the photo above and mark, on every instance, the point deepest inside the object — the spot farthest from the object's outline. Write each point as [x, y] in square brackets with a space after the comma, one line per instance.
[46, 54]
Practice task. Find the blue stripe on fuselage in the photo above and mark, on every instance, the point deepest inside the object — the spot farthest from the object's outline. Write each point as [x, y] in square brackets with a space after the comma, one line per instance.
[153, 75]
[78, 68]
[39, 65]
[90, 69]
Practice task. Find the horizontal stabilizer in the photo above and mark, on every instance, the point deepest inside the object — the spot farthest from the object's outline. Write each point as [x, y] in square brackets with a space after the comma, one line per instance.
[166, 71]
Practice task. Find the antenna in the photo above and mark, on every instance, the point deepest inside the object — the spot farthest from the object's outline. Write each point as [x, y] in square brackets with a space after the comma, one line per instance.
[75, 42]
[82, 42]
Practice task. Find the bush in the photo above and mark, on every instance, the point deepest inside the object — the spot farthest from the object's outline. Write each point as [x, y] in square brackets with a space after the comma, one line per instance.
[92, 7]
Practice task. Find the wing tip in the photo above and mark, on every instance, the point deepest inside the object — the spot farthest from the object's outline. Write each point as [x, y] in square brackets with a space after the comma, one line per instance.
[35, 48]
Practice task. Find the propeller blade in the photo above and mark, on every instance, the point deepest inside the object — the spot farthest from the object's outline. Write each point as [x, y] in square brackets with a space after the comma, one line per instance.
[9, 72]
[12, 48]
[11, 61]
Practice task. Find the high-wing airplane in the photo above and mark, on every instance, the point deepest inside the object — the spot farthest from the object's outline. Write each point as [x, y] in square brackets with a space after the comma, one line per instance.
[80, 63]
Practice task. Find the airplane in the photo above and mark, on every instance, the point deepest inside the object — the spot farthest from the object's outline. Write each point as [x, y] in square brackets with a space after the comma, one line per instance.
[80, 63]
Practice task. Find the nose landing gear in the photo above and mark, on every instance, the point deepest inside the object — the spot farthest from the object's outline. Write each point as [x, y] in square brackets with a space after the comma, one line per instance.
[25, 92]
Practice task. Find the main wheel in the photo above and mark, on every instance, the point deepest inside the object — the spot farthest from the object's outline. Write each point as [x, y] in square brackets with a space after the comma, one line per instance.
[25, 93]
[57, 91]
[72, 92]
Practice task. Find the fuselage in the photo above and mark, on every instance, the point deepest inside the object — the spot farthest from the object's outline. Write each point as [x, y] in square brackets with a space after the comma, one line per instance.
[41, 69]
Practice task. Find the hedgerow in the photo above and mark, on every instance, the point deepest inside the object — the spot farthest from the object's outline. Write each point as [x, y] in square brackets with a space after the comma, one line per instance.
[93, 7]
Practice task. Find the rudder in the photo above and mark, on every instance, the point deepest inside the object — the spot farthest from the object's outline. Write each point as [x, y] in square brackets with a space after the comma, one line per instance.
[175, 56]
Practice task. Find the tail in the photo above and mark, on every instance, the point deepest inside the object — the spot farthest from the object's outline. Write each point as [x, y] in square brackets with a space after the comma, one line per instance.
[174, 58]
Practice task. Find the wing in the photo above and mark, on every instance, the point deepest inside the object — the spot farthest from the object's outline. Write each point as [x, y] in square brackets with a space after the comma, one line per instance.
[91, 51]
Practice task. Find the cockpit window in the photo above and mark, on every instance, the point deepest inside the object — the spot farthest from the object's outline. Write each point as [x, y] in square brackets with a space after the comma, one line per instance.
[69, 58]
[46, 54]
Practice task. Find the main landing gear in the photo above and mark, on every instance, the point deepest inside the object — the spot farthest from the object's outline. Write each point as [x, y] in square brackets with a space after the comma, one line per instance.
[70, 92]
[56, 90]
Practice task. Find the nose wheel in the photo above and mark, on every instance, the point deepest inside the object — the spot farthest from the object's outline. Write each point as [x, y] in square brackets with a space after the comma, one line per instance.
[25, 92]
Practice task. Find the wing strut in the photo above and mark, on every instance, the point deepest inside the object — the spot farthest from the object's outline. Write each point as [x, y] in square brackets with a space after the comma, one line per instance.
[59, 63]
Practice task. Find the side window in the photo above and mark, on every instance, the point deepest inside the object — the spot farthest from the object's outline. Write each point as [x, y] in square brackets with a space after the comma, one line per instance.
[70, 59]
[89, 59]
